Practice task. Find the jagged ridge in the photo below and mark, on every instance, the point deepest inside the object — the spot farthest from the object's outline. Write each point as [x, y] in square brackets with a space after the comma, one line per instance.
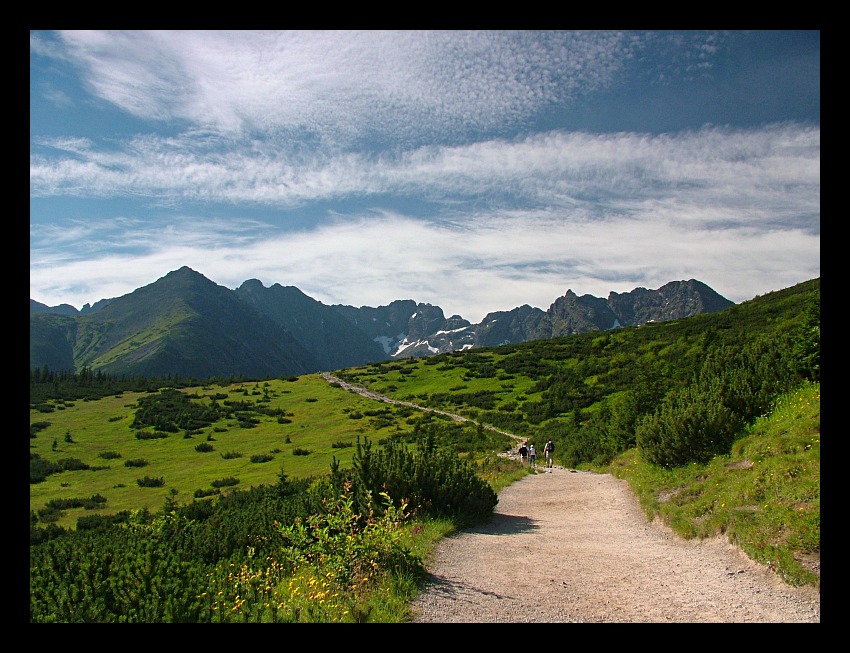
[184, 324]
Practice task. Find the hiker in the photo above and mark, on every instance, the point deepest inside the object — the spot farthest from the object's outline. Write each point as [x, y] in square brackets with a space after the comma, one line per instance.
[523, 452]
[549, 451]
[532, 455]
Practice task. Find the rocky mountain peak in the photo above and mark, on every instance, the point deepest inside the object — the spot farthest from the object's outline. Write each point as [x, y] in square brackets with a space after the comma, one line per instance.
[186, 324]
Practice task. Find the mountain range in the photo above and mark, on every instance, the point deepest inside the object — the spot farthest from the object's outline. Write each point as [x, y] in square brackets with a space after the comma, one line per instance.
[184, 324]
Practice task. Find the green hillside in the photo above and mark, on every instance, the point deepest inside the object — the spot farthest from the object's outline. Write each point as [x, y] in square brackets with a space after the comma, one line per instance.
[714, 421]
[587, 392]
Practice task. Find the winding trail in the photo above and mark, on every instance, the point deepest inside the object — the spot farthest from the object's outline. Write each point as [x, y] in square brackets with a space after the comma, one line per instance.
[567, 546]
[330, 378]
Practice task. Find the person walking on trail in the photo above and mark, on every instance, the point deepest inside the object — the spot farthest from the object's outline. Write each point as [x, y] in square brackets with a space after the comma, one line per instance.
[532, 455]
[523, 453]
[549, 451]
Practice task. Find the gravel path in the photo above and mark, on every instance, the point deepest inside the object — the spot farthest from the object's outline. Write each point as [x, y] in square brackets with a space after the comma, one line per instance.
[570, 546]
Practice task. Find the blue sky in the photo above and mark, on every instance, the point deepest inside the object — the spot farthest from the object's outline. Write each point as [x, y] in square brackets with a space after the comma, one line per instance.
[474, 170]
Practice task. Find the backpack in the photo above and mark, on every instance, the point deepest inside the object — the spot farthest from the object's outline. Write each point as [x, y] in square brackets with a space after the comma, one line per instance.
[550, 447]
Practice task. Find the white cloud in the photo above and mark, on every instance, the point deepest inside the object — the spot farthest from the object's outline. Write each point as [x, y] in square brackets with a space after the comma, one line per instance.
[646, 209]
[497, 265]
[344, 84]
[776, 168]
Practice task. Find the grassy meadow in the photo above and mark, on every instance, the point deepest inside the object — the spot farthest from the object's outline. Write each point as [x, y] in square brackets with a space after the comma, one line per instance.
[320, 416]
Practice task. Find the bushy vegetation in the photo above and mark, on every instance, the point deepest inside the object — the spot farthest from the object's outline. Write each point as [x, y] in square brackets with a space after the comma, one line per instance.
[225, 482]
[208, 492]
[149, 481]
[735, 385]
[713, 420]
[684, 388]
[313, 549]
[88, 385]
[763, 494]
[40, 469]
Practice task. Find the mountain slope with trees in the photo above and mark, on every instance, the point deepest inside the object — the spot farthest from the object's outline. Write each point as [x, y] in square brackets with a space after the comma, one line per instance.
[589, 392]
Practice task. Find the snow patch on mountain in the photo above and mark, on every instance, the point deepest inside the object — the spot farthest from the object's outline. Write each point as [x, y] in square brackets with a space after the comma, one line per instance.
[439, 333]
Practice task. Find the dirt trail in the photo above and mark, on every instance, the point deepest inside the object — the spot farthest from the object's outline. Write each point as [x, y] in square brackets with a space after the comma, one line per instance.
[330, 378]
[570, 546]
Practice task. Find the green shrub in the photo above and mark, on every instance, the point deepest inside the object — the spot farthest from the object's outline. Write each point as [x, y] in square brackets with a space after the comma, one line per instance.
[71, 464]
[148, 481]
[692, 425]
[147, 435]
[735, 385]
[36, 427]
[100, 522]
[49, 515]
[436, 481]
[200, 494]
[344, 556]
[225, 482]
[40, 468]
[95, 501]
